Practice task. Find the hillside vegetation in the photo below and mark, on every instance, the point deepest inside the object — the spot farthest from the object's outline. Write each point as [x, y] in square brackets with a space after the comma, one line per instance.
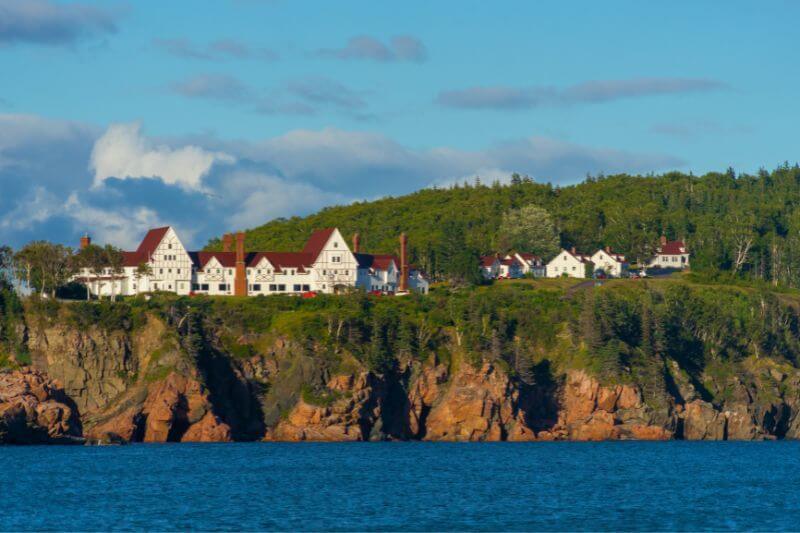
[738, 225]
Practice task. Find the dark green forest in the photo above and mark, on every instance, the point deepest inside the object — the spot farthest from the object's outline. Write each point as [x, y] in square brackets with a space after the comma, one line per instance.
[735, 225]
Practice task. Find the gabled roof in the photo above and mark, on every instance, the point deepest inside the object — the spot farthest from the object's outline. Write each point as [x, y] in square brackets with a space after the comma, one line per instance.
[619, 258]
[133, 259]
[201, 259]
[317, 241]
[151, 241]
[281, 260]
[672, 248]
[376, 261]
[583, 258]
[488, 260]
[509, 262]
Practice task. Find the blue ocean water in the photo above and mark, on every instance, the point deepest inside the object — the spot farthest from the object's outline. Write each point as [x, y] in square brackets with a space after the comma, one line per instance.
[403, 486]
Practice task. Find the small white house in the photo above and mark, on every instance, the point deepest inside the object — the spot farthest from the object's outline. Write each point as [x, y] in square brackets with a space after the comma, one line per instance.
[670, 254]
[613, 264]
[569, 263]
[530, 263]
[490, 266]
[510, 268]
[418, 280]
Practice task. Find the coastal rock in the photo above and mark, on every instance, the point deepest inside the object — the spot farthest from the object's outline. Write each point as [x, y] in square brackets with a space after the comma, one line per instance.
[593, 412]
[35, 410]
[701, 421]
[479, 405]
[354, 409]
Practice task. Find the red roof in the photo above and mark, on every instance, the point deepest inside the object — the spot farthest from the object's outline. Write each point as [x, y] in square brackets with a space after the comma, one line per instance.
[488, 260]
[672, 248]
[281, 260]
[133, 259]
[151, 241]
[317, 241]
[201, 259]
[376, 261]
[509, 262]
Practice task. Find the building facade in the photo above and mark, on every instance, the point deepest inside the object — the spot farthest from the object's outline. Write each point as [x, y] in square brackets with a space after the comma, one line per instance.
[613, 264]
[670, 254]
[568, 263]
[325, 265]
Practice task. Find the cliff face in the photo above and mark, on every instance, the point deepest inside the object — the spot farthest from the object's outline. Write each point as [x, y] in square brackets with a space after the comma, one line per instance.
[162, 383]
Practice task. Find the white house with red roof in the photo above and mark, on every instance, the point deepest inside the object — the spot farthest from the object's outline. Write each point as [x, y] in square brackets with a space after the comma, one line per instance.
[490, 266]
[670, 254]
[530, 263]
[612, 263]
[510, 268]
[568, 263]
[325, 265]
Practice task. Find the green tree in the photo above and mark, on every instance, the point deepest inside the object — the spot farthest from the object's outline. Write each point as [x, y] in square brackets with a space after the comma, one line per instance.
[529, 229]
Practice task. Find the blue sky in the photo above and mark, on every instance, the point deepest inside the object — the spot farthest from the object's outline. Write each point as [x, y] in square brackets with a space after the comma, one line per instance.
[214, 116]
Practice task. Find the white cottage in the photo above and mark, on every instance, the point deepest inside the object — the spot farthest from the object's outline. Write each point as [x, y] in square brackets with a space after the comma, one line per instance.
[670, 254]
[530, 263]
[613, 264]
[568, 263]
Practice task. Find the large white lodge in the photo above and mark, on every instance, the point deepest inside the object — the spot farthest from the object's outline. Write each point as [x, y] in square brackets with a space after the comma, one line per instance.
[326, 265]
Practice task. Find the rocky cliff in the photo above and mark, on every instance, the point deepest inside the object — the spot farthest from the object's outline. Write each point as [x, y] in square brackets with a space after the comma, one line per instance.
[174, 375]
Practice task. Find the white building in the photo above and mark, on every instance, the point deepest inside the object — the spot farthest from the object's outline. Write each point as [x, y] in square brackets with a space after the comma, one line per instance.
[670, 254]
[326, 265]
[490, 266]
[510, 268]
[568, 263]
[530, 263]
[613, 264]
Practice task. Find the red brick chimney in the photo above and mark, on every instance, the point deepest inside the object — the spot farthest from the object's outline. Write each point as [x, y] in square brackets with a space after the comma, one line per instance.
[356, 243]
[403, 263]
[573, 250]
[663, 240]
[240, 281]
[85, 241]
[227, 242]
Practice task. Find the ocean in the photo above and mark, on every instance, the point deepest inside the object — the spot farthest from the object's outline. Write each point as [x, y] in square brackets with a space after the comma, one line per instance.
[605, 486]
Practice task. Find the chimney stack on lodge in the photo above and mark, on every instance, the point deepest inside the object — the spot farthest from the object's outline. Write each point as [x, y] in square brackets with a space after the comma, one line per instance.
[227, 242]
[240, 281]
[403, 263]
[356, 243]
[85, 241]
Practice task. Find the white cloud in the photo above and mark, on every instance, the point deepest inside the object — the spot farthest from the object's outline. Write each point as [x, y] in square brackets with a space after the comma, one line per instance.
[264, 197]
[122, 152]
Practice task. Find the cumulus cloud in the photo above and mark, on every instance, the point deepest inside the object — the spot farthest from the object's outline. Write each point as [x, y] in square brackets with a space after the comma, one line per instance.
[122, 152]
[214, 51]
[204, 186]
[514, 98]
[400, 48]
[50, 23]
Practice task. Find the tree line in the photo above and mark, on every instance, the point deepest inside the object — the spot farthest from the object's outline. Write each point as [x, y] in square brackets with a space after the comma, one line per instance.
[736, 225]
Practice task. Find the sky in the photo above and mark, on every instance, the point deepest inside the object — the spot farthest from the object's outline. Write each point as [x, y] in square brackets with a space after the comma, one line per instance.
[214, 116]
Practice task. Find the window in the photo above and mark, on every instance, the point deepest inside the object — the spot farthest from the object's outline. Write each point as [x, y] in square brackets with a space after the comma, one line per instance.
[195, 287]
[258, 271]
[155, 286]
[169, 246]
[336, 259]
[296, 288]
[169, 271]
[160, 270]
[324, 273]
[281, 287]
[223, 286]
[306, 288]
[256, 287]
[346, 272]
[273, 287]
[204, 287]
[178, 271]
[230, 272]
[335, 244]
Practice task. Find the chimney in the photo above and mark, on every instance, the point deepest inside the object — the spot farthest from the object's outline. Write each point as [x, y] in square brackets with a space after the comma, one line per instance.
[573, 250]
[227, 242]
[85, 241]
[356, 243]
[608, 249]
[663, 240]
[240, 281]
[403, 263]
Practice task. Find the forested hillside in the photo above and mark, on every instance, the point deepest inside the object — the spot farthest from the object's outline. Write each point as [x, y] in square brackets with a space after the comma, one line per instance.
[744, 225]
